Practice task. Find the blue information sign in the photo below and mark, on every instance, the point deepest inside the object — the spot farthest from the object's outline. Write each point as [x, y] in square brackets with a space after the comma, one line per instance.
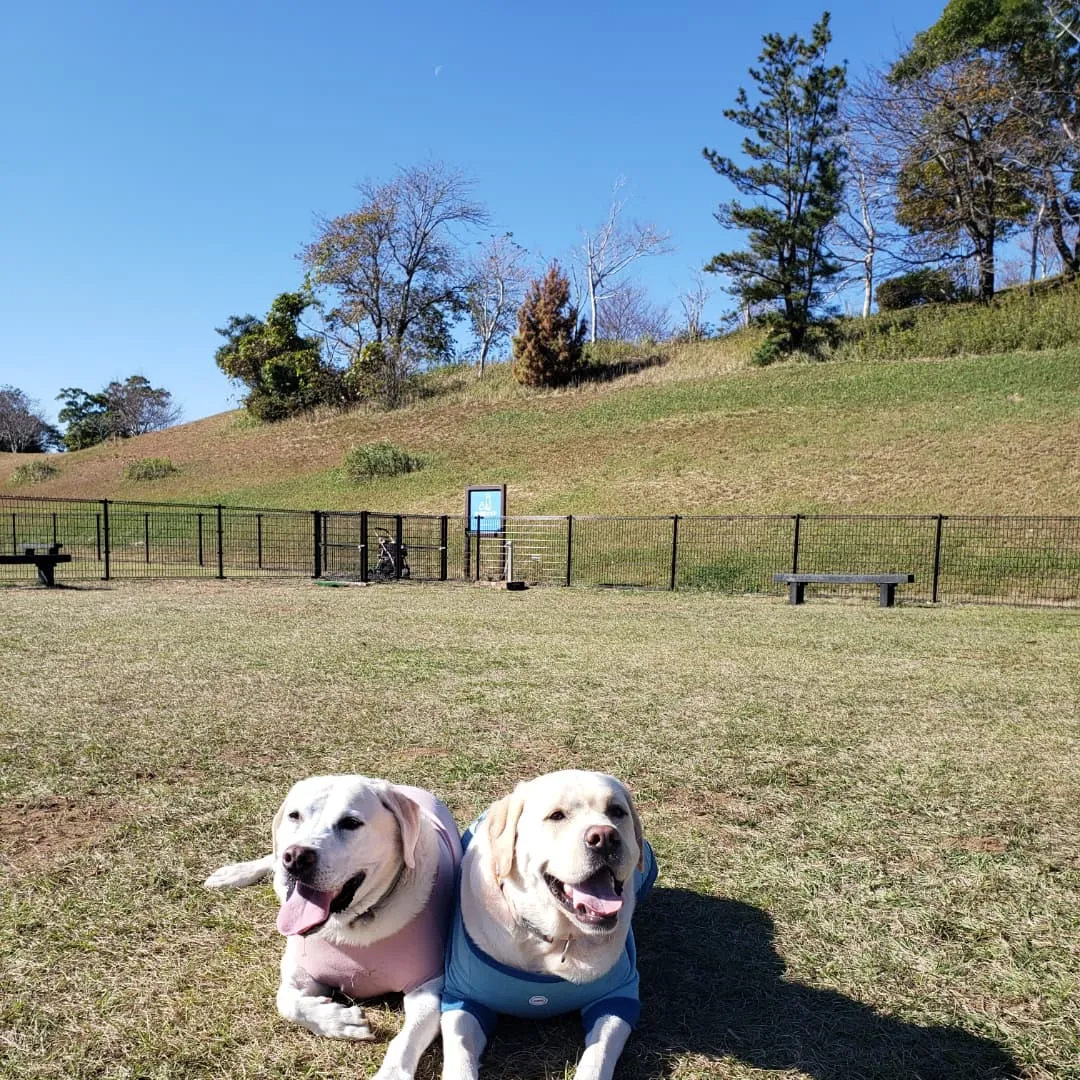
[485, 508]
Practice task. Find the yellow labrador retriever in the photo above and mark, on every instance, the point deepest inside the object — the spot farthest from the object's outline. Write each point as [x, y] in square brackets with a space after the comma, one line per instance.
[364, 871]
[549, 881]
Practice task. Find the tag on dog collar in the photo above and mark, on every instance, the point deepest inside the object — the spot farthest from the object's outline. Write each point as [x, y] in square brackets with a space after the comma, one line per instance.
[538, 1000]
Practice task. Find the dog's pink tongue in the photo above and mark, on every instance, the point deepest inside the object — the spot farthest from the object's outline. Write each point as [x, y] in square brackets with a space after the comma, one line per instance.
[305, 908]
[597, 895]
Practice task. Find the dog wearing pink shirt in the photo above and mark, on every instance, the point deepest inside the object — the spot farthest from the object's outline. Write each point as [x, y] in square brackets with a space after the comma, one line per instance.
[364, 871]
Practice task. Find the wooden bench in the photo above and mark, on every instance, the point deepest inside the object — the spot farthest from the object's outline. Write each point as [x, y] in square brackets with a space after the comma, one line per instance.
[887, 582]
[44, 558]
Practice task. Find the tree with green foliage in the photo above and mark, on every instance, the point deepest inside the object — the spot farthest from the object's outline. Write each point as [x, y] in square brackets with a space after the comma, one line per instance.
[394, 270]
[283, 369]
[962, 185]
[1034, 46]
[927, 285]
[794, 180]
[83, 414]
[23, 429]
[549, 344]
[121, 410]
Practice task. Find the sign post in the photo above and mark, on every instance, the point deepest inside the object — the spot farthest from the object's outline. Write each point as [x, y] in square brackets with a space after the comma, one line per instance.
[485, 511]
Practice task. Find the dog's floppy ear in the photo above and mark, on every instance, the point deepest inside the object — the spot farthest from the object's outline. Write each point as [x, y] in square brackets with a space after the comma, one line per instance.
[502, 826]
[639, 833]
[274, 827]
[408, 818]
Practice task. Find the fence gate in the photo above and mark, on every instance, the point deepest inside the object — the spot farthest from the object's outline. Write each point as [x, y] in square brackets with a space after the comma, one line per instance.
[535, 550]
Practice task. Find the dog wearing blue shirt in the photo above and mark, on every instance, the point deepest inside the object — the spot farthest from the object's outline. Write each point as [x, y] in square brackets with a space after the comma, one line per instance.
[549, 881]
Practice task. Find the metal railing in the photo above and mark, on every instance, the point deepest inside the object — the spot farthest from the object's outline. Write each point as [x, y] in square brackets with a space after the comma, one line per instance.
[1014, 560]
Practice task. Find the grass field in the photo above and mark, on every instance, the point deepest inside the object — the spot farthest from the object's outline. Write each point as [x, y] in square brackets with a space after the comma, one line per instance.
[867, 821]
[701, 433]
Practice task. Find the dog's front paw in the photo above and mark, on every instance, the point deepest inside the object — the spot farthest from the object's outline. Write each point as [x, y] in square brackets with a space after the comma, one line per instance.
[392, 1070]
[326, 1017]
[224, 877]
[237, 875]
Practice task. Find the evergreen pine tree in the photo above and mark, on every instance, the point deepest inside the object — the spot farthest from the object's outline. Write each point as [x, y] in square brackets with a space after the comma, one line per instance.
[794, 178]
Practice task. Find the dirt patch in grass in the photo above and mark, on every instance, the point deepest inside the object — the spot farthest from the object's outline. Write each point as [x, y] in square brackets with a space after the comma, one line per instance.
[38, 835]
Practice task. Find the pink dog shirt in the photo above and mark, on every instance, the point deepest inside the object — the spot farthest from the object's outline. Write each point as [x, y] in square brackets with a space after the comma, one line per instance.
[414, 954]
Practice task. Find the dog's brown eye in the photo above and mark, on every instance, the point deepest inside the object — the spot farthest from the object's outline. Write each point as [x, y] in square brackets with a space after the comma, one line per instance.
[349, 823]
[556, 815]
[294, 815]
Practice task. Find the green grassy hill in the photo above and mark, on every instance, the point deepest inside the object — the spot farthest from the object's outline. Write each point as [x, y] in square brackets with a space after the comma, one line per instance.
[702, 432]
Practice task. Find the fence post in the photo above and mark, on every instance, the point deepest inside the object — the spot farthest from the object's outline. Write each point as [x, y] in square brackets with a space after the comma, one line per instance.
[14, 536]
[220, 542]
[54, 528]
[363, 545]
[674, 548]
[479, 526]
[97, 534]
[105, 521]
[795, 549]
[397, 540]
[937, 557]
[444, 533]
[569, 546]
[316, 523]
[146, 535]
[258, 536]
[200, 517]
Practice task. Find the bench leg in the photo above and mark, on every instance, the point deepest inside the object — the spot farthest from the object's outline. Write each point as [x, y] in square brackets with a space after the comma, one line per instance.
[888, 594]
[45, 572]
[796, 590]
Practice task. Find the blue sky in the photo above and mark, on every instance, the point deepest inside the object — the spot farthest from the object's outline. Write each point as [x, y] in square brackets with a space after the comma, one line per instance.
[161, 164]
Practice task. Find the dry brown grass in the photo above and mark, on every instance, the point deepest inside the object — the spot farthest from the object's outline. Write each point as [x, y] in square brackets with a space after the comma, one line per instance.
[699, 434]
[866, 820]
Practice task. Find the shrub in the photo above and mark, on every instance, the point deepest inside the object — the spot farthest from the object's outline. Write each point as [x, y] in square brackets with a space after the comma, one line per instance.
[151, 468]
[550, 337]
[924, 286]
[378, 460]
[35, 472]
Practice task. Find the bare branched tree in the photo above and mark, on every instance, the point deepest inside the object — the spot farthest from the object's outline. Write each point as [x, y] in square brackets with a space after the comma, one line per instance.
[692, 301]
[628, 315]
[608, 250]
[865, 238]
[23, 427]
[499, 273]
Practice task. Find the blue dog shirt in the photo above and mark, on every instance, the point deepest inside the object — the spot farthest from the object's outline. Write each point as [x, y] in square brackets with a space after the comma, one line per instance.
[480, 985]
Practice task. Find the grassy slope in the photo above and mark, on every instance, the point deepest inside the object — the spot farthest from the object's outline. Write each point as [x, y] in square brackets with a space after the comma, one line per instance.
[703, 433]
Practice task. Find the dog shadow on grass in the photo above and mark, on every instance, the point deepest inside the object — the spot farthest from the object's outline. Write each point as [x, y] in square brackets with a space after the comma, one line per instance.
[713, 986]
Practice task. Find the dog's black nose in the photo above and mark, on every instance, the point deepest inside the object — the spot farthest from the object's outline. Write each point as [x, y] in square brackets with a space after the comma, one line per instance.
[603, 839]
[298, 860]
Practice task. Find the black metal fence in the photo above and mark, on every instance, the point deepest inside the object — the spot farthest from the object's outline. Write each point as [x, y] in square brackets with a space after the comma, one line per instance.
[1012, 560]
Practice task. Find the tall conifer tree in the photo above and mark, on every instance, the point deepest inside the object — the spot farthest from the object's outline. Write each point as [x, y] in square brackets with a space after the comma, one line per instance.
[794, 182]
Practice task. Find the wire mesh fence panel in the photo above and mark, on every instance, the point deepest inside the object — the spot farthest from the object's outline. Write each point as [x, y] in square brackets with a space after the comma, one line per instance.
[267, 542]
[384, 560]
[77, 525]
[1010, 560]
[864, 544]
[733, 554]
[622, 551]
[426, 546]
[342, 545]
[152, 540]
[1029, 560]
